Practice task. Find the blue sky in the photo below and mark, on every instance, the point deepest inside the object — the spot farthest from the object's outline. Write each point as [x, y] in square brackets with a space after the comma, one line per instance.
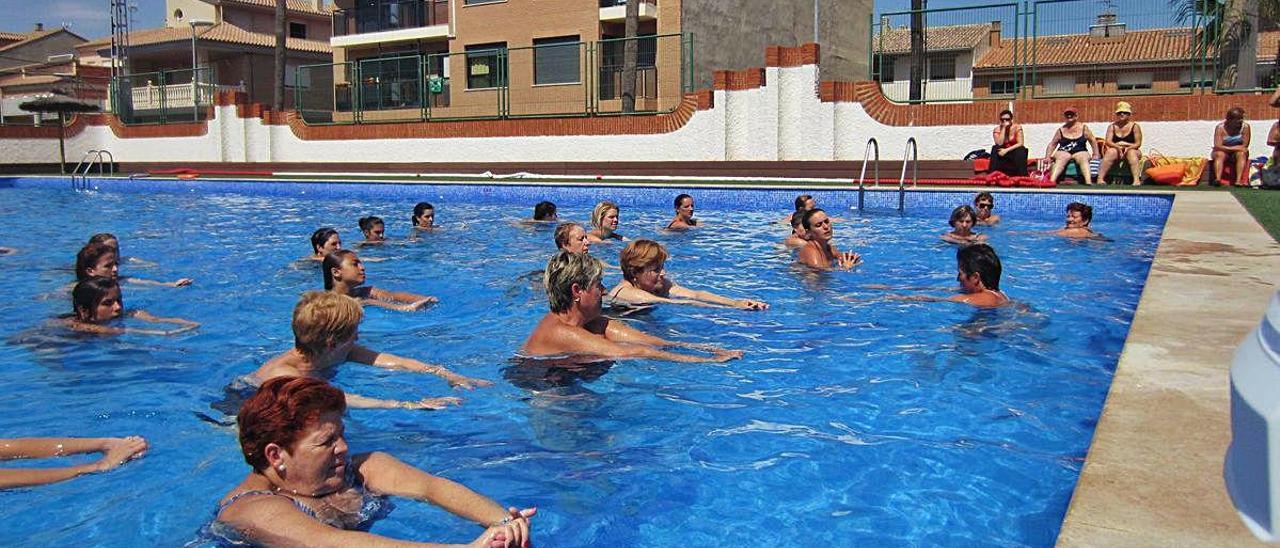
[90, 18]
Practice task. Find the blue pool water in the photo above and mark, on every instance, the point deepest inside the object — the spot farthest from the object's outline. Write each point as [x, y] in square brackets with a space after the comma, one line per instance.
[854, 421]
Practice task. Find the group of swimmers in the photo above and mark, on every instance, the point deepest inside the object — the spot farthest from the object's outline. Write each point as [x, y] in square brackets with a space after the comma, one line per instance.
[304, 485]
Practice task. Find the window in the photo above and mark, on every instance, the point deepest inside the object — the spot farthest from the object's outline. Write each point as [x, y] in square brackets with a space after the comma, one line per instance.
[484, 65]
[1059, 85]
[942, 67]
[1133, 80]
[1004, 87]
[298, 30]
[884, 67]
[1203, 78]
[556, 60]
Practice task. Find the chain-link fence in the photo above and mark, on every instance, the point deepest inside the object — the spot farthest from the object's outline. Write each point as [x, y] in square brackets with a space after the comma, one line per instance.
[553, 77]
[165, 97]
[1073, 48]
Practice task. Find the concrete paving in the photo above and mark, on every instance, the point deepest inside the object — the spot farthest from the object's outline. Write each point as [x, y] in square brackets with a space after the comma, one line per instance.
[1153, 476]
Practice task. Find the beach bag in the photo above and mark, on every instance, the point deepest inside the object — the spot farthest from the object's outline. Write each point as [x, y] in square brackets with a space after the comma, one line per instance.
[1167, 174]
[1270, 177]
[1192, 168]
[977, 154]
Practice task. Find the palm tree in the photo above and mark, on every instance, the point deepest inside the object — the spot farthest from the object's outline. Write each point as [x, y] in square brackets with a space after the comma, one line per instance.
[916, 90]
[277, 103]
[629, 54]
[1229, 31]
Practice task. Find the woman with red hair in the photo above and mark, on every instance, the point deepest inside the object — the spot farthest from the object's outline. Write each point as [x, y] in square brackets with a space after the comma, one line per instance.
[306, 489]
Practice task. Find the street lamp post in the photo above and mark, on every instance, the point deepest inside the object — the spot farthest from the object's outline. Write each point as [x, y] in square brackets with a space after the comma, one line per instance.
[195, 86]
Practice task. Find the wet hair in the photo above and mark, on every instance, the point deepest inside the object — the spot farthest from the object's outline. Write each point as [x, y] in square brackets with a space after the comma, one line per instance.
[681, 198]
[807, 219]
[796, 220]
[102, 238]
[602, 209]
[801, 200]
[87, 294]
[980, 259]
[89, 256]
[640, 254]
[332, 261]
[565, 269]
[1086, 211]
[419, 209]
[323, 320]
[544, 211]
[1235, 121]
[562, 233]
[984, 194]
[367, 223]
[281, 411]
[960, 213]
[320, 236]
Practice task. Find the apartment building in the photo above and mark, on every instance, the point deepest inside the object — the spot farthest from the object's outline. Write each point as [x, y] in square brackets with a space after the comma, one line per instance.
[477, 58]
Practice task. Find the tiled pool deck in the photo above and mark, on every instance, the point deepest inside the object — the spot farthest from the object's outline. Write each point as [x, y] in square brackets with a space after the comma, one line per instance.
[1154, 472]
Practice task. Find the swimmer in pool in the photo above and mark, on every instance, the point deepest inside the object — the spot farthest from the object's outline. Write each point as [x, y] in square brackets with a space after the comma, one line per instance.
[325, 330]
[111, 240]
[1079, 219]
[604, 220]
[962, 219]
[344, 275]
[684, 214]
[978, 272]
[799, 236]
[323, 242]
[984, 203]
[424, 216]
[575, 327]
[115, 452]
[93, 257]
[305, 487]
[818, 251]
[7, 251]
[645, 281]
[374, 230]
[573, 238]
[804, 202]
[96, 302]
[544, 212]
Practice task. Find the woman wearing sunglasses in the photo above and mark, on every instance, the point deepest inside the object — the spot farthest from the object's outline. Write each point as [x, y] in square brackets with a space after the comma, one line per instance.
[1008, 154]
[1073, 142]
[1124, 139]
[984, 204]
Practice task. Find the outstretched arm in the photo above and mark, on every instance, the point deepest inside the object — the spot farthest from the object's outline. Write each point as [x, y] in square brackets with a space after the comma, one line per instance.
[392, 361]
[399, 300]
[180, 282]
[363, 402]
[116, 451]
[709, 297]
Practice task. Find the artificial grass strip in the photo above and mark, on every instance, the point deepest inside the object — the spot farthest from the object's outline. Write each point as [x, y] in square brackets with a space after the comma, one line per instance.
[1264, 205]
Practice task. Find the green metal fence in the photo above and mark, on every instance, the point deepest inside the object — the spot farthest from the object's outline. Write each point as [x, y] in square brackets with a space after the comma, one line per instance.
[1071, 48]
[164, 97]
[550, 78]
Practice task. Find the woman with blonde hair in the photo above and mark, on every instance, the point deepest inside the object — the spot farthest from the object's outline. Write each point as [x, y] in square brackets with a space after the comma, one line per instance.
[1123, 141]
[604, 220]
[645, 281]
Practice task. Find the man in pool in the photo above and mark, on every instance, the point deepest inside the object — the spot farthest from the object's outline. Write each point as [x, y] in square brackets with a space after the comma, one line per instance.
[544, 212]
[1079, 219]
[325, 330]
[978, 271]
[984, 203]
[574, 326]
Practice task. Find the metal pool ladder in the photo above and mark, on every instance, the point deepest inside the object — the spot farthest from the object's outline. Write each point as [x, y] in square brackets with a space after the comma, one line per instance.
[80, 175]
[873, 146]
[914, 152]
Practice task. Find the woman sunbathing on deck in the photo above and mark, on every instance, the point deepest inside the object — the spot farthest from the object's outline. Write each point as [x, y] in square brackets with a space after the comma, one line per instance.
[575, 327]
[344, 275]
[325, 330]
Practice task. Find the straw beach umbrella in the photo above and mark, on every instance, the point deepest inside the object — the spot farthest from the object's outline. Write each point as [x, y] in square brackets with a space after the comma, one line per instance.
[62, 105]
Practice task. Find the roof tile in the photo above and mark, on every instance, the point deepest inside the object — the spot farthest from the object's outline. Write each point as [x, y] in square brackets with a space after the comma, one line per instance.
[1136, 46]
[943, 38]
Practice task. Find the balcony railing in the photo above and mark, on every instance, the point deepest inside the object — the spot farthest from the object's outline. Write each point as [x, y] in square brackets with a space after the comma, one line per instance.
[383, 15]
[612, 3]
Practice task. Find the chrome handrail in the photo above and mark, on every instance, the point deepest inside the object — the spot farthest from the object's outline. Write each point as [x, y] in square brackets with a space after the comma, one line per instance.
[914, 151]
[872, 145]
[80, 177]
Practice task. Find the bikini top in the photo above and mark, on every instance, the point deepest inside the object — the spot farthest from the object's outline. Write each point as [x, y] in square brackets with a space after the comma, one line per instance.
[372, 508]
[1130, 138]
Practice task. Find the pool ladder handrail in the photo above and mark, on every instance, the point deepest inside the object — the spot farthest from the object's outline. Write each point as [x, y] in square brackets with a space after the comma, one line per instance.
[80, 175]
[872, 146]
[914, 152]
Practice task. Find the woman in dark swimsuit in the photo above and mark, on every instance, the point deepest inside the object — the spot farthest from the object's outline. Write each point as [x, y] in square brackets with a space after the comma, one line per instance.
[684, 214]
[1072, 142]
[306, 489]
[1124, 139]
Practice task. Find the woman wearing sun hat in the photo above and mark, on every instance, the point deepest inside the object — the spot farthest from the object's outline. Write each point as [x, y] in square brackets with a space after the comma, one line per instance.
[1124, 140]
[1072, 142]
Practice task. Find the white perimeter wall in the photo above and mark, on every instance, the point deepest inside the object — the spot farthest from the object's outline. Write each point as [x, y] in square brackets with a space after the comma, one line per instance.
[783, 120]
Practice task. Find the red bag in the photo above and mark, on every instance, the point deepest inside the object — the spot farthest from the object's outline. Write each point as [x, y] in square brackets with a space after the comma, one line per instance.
[1168, 174]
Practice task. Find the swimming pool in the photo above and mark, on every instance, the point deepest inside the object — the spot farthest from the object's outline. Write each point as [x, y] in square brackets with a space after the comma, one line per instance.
[855, 422]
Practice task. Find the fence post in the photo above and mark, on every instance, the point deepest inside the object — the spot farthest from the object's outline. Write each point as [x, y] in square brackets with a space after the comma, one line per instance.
[164, 100]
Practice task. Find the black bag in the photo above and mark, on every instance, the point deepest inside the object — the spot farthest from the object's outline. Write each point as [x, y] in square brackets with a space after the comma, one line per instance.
[976, 154]
[1270, 177]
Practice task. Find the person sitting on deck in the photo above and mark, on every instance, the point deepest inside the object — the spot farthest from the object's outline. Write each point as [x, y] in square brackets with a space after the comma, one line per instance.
[818, 251]
[344, 275]
[1073, 142]
[1231, 146]
[645, 281]
[574, 327]
[325, 330]
[1123, 142]
[1009, 153]
[962, 221]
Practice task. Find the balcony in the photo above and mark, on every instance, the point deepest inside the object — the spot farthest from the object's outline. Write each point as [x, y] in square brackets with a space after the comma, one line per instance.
[381, 21]
[615, 11]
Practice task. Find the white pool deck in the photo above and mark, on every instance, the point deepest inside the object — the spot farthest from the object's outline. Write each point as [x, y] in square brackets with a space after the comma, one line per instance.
[1153, 476]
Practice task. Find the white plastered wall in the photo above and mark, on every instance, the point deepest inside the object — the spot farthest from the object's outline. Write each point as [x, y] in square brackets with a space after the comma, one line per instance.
[783, 120]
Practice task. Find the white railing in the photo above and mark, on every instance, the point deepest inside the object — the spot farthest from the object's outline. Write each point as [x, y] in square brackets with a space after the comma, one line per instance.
[174, 96]
[960, 89]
